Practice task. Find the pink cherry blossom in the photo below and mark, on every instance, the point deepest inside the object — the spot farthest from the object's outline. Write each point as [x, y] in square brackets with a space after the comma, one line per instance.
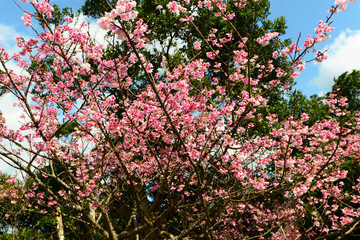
[195, 141]
[174, 6]
[197, 45]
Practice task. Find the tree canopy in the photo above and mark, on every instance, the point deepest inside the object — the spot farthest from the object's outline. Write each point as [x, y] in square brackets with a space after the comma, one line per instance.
[348, 85]
[179, 128]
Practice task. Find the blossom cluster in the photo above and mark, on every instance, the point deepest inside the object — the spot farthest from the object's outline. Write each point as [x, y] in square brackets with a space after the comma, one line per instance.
[124, 10]
[265, 39]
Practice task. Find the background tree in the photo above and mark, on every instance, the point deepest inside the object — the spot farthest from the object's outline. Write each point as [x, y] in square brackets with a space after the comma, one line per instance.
[348, 85]
[175, 45]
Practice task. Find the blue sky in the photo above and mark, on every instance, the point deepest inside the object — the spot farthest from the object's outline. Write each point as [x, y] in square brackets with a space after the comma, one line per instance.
[302, 17]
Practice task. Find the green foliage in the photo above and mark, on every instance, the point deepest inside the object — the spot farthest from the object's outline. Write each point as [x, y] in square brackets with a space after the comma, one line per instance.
[348, 85]
[59, 14]
[169, 38]
[96, 8]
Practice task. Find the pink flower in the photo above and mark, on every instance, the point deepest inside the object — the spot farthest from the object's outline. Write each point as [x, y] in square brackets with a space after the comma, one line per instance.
[275, 54]
[339, 2]
[86, 66]
[10, 181]
[210, 55]
[27, 19]
[343, 7]
[149, 67]
[265, 40]
[104, 23]
[174, 6]
[69, 19]
[197, 45]
[320, 56]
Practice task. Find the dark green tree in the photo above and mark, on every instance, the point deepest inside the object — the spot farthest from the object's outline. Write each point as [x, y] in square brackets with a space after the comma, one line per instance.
[348, 85]
[168, 42]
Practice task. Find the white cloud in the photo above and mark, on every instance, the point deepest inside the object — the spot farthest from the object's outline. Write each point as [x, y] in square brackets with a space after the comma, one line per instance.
[7, 38]
[7, 41]
[12, 115]
[9, 112]
[343, 55]
[321, 94]
[95, 31]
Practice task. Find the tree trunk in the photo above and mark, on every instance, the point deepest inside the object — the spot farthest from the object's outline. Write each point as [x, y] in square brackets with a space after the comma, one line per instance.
[92, 230]
[60, 224]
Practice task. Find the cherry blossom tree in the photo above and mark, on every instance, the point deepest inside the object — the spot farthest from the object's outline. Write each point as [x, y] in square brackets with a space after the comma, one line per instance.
[177, 160]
